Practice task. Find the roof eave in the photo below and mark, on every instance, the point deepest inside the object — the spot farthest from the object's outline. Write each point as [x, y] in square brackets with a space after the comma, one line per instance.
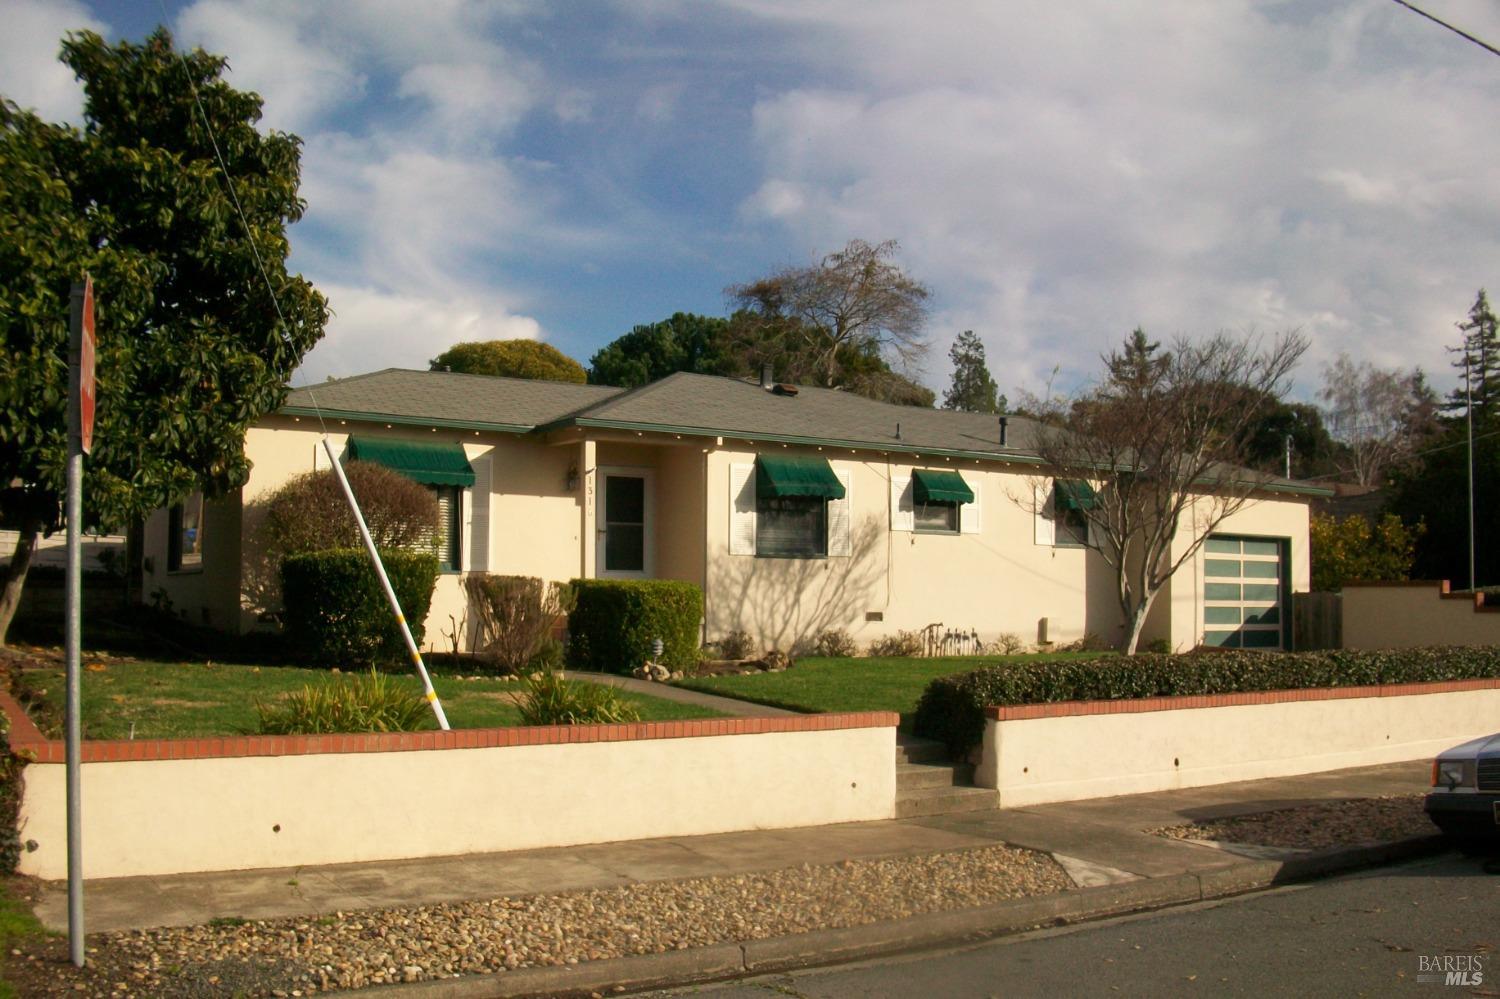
[406, 421]
[884, 446]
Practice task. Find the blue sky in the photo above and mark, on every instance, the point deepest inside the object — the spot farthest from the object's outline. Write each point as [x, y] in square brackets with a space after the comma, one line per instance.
[1056, 173]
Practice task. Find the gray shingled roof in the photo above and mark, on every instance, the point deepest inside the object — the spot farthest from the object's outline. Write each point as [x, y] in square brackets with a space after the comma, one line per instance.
[730, 407]
[447, 398]
[706, 405]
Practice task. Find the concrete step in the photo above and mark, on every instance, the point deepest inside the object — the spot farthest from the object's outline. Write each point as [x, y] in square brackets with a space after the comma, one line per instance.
[914, 776]
[944, 801]
[910, 749]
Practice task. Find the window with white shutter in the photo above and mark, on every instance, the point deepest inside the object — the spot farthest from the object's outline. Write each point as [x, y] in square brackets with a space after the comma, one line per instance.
[840, 540]
[903, 504]
[742, 509]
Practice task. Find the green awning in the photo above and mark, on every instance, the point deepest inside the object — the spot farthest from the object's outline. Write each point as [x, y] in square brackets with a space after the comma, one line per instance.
[1074, 495]
[940, 487]
[431, 464]
[778, 475]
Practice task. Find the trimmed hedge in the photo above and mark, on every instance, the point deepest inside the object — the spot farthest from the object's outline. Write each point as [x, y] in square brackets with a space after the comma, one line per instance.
[336, 613]
[952, 707]
[611, 628]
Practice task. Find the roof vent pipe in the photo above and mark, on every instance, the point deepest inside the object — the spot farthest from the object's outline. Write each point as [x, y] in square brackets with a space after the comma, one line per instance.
[1004, 426]
[898, 431]
[766, 379]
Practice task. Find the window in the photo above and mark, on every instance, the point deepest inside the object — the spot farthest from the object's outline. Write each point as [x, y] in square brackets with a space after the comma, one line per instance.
[1069, 501]
[791, 526]
[185, 535]
[935, 517]
[1072, 528]
[446, 542]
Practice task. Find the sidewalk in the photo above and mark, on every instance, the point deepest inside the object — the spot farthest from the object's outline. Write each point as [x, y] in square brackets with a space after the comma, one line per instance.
[1101, 843]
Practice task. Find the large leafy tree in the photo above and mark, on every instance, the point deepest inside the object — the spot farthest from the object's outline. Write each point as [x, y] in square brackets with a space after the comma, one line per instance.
[191, 349]
[973, 390]
[685, 342]
[855, 300]
[512, 359]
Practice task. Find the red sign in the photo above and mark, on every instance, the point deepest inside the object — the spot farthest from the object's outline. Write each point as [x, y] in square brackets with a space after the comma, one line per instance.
[86, 368]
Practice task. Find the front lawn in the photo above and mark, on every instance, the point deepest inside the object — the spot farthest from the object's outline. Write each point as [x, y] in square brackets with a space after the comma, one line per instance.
[158, 700]
[819, 685]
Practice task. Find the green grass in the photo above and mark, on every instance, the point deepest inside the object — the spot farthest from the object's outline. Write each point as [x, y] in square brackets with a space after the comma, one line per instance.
[194, 700]
[17, 924]
[821, 685]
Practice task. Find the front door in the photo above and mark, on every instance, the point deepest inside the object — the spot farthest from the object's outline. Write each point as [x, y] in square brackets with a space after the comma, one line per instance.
[624, 524]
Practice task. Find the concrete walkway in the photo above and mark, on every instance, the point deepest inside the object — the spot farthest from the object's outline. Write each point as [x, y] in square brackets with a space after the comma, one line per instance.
[1100, 842]
[667, 692]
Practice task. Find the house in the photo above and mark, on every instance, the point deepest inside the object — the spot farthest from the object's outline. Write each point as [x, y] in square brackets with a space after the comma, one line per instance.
[796, 509]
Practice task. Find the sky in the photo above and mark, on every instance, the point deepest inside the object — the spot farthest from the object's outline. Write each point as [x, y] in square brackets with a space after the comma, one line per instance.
[1056, 174]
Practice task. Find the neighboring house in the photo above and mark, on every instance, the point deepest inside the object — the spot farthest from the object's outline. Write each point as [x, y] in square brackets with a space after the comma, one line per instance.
[796, 509]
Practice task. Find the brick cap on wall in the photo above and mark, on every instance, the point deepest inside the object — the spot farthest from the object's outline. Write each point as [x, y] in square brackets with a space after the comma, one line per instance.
[27, 739]
[1064, 709]
[1443, 586]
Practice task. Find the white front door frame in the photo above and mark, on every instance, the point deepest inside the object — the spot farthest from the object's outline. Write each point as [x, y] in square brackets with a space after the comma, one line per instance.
[601, 521]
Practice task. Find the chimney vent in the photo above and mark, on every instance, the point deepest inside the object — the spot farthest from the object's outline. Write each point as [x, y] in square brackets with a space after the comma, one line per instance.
[1004, 427]
[898, 431]
[766, 379]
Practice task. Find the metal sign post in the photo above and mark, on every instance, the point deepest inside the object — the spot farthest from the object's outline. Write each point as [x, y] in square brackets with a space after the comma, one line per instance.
[80, 439]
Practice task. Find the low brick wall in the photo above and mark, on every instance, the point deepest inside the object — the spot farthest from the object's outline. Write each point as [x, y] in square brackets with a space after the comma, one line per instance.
[160, 806]
[1068, 751]
[1413, 614]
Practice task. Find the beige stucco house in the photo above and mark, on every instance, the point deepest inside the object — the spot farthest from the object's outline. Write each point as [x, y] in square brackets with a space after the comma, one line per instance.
[797, 510]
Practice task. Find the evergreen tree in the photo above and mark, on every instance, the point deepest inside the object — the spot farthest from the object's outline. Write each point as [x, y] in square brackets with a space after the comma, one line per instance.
[973, 391]
[1479, 361]
[1137, 366]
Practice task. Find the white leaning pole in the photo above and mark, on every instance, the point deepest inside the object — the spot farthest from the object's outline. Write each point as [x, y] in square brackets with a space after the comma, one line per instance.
[385, 584]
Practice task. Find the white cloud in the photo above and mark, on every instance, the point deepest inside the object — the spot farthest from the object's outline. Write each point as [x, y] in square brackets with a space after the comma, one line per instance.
[1060, 173]
[372, 329]
[273, 51]
[30, 73]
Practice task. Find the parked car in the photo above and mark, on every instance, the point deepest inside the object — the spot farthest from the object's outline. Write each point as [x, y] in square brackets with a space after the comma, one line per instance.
[1465, 798]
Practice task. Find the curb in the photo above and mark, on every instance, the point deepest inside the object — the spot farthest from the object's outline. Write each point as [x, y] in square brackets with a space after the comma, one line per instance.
[924, 931]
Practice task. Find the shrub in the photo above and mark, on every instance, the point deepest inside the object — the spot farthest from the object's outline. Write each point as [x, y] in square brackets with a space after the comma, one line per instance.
[835, 643]
[548, 655]
[1160, 646]
[1009, 644]
[336, 613]
[615, 621]
[11, 788]
[310, 513]
[360, 702]
[736, 645]
[516, 615]
[902, 643]
[952, 707]
[547, 698]
[1090, 642]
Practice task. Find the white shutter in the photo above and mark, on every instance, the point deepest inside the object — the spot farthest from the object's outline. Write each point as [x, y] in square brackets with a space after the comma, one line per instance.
[742, 509]
[903, 506]
[1046, 528]
[840, 543]
[970, 515]
[478, 507]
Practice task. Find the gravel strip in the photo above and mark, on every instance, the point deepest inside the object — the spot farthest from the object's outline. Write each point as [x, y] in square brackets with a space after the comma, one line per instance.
[304, 956]
[1317, 827]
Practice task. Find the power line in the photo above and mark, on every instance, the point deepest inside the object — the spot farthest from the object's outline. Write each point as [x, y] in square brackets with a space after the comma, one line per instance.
[1457, 31]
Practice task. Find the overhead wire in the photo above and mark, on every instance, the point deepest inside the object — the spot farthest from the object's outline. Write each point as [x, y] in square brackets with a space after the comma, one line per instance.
[429, 691]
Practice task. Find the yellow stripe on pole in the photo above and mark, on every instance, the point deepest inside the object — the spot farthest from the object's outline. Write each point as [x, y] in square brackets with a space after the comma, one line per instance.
[432, 695]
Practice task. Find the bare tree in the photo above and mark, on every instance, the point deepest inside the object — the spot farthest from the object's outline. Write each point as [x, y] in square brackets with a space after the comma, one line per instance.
[1368, 409]
[1163, 449]
[855, 300]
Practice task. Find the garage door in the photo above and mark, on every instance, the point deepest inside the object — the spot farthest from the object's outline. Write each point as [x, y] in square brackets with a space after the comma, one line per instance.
[1243, 602]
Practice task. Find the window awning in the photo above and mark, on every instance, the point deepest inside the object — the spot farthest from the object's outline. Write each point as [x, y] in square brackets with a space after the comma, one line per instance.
[1075, 495]
[779, 475]
[429, 464]
[940, 487]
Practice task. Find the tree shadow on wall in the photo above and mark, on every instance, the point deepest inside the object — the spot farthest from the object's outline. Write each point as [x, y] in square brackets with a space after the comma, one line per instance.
[785, 603]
